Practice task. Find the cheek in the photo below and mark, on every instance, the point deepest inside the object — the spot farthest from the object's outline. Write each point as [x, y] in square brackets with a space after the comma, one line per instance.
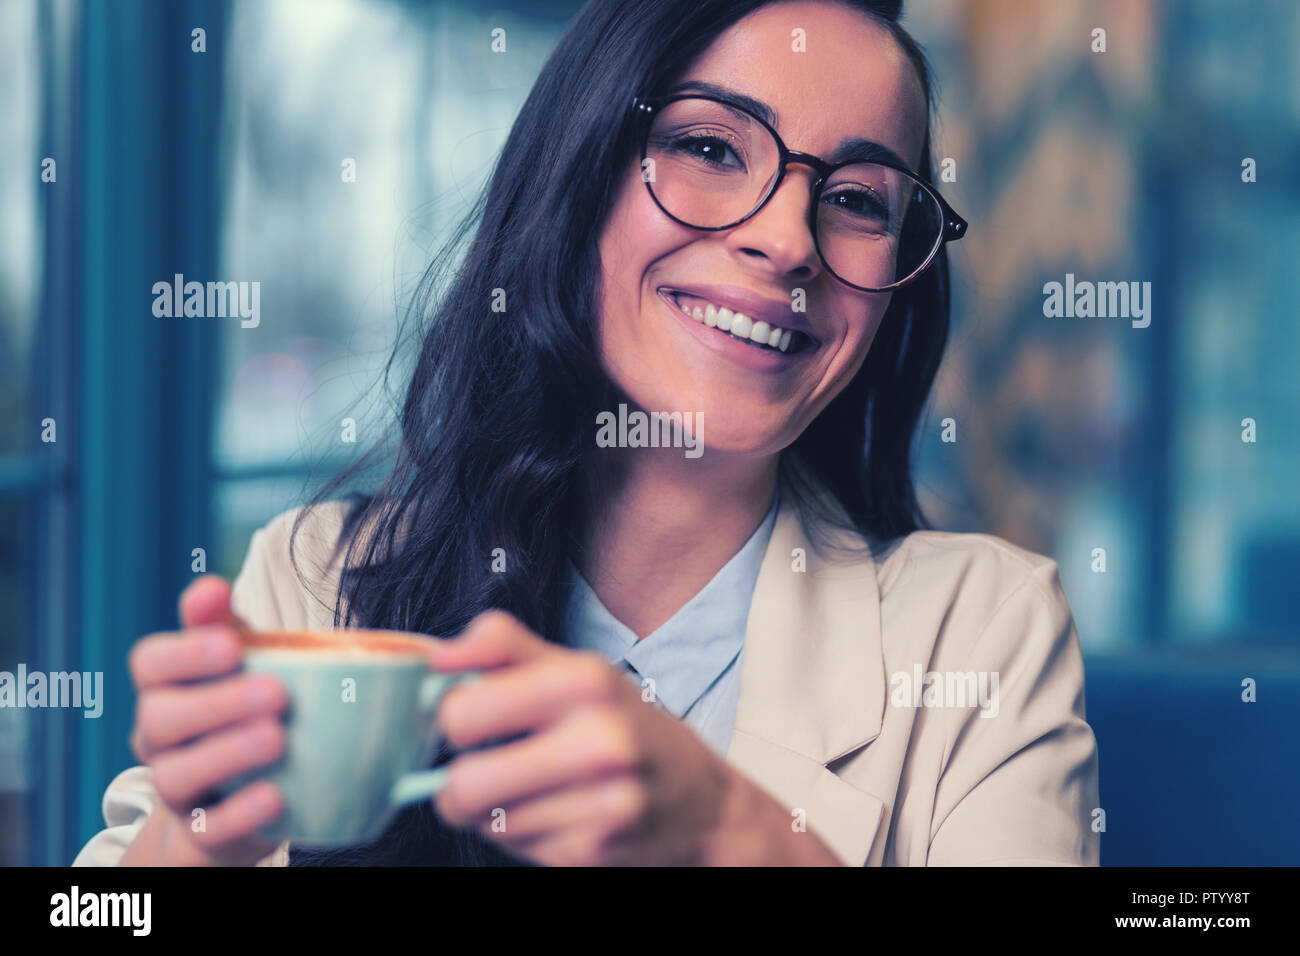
[859, 340]
[636, 235]
[635, 232]
[861, 333]
[875, 316]
[619, 267]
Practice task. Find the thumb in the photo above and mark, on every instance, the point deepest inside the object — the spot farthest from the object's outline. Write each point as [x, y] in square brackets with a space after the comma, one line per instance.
[206, 600]
[493, 639]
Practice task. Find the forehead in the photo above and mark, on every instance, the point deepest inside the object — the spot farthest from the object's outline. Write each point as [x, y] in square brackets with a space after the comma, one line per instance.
[852, 78]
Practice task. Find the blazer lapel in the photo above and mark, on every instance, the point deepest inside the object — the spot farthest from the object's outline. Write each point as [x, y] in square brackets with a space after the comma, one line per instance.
[813, 687]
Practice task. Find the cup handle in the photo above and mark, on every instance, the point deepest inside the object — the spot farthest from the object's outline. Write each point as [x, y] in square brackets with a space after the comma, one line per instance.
[422, 784]
[417, 786]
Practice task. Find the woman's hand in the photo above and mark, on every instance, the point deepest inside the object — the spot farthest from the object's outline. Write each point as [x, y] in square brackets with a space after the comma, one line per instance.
[194, 736]
[602, 776]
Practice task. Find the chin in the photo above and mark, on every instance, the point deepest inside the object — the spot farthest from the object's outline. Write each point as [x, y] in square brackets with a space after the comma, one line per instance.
[727, 434]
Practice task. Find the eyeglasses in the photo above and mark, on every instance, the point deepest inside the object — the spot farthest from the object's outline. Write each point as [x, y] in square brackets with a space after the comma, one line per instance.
[710, 164]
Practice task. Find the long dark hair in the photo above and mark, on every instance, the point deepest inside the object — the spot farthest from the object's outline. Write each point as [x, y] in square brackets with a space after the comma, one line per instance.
[496, 425]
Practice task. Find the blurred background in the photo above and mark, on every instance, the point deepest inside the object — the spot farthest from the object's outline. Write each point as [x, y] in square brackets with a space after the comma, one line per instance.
[128, 441]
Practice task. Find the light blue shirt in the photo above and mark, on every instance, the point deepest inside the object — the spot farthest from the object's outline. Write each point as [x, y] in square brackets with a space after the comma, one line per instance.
[693, 658]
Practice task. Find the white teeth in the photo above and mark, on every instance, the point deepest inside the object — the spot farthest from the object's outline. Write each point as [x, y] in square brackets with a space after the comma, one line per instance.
[739, 325]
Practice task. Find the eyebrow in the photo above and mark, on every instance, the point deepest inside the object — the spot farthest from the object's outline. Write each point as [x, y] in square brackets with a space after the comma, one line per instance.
[857, 149]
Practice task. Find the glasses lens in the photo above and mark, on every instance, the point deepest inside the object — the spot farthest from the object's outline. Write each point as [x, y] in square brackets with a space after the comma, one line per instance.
[876, 225]
[709, 165]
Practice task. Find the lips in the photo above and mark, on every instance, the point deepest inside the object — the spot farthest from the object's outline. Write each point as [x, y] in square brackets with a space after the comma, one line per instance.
[767, 330]
[724, 346]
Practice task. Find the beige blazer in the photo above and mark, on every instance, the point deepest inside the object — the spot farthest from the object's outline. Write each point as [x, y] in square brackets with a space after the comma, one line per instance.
[860, 705]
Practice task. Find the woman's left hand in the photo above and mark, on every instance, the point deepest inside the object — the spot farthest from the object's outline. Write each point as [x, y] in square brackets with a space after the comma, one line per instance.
[602, 776]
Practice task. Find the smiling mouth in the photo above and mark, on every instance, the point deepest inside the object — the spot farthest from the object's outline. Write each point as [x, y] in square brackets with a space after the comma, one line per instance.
[761, 335]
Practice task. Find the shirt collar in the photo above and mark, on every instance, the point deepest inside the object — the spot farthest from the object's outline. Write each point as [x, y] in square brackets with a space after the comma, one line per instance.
[687, 653]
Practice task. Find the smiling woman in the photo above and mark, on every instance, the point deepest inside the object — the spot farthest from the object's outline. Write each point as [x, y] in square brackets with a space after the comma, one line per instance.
[720, 210]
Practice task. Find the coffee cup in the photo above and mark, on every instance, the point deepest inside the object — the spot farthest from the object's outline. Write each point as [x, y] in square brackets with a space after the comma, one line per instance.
[360, 729]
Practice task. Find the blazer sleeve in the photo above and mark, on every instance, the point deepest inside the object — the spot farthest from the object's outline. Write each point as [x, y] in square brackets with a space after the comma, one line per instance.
[1019, 780]
[131, 797]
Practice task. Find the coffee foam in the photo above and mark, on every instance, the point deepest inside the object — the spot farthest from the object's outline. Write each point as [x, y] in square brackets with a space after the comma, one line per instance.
[346, 640]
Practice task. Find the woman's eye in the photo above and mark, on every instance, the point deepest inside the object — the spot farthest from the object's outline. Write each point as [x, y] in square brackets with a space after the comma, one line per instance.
[859, 202]
[708, 148]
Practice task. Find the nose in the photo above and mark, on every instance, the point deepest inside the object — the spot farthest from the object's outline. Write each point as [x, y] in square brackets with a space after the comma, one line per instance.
[778, 237]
